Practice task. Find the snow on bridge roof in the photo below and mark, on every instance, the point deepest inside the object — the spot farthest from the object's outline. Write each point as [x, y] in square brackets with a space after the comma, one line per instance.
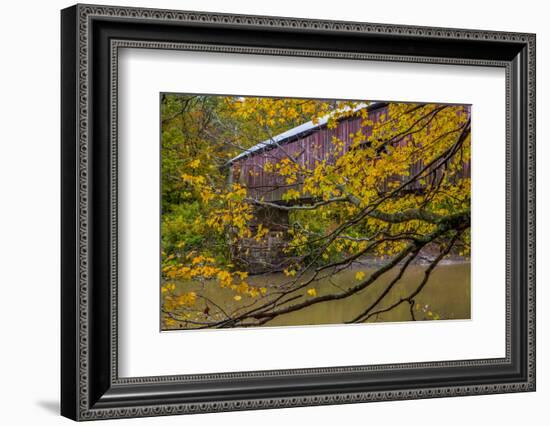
[297, 131]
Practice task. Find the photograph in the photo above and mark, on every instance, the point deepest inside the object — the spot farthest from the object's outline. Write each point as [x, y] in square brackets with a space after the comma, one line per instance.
[279, 211]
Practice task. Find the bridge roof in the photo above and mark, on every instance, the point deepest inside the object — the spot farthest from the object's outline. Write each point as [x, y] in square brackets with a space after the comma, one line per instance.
[296, 132]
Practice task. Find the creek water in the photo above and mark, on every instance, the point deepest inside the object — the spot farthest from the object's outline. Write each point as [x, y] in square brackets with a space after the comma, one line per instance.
[445, 296]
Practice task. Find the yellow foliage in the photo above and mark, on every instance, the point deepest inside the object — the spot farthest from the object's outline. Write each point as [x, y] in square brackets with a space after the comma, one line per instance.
[261, 233]
[225, 279]
[195, 164]
[187, 298]
[289, 272]
[372, 162]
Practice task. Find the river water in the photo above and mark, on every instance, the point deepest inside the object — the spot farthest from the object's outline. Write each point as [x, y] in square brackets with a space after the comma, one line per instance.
[445, 296]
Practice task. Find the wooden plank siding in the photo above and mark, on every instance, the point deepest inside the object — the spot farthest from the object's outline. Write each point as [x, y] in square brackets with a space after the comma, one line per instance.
[307, 149]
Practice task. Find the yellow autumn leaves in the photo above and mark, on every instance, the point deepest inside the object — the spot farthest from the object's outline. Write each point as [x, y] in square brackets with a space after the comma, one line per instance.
[274, 112]
[369, 164]
[201, 268]
[173, 301]
[359, 275]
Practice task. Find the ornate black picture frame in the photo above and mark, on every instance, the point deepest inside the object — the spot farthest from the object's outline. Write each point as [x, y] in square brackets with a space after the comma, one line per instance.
[91, 36]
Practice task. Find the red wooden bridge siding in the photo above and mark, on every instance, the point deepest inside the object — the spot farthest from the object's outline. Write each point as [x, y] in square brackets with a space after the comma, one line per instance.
[307, 149]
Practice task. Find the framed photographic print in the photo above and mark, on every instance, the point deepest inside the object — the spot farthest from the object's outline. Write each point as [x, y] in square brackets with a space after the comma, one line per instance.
[263, 212]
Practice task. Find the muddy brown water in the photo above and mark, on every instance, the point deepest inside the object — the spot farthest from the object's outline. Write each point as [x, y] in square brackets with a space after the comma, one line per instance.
[445, 296]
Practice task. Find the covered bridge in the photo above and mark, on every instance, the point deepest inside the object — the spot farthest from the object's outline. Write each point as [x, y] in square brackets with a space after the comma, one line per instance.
[306, 144]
